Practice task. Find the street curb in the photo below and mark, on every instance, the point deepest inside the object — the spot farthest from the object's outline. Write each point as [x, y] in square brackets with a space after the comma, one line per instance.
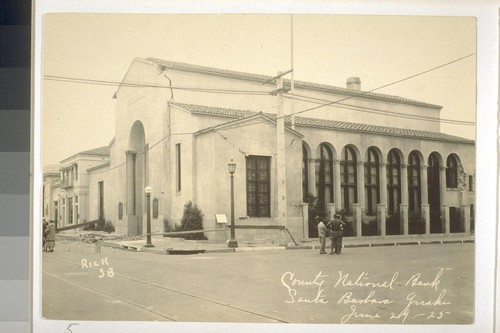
[220, 250]
[255, 249]
[383, 244]
[456, 241]
[300, 247]
[138, 248]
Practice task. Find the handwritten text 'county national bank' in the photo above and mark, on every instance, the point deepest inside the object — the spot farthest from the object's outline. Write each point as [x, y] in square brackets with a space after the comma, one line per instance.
[313, 291]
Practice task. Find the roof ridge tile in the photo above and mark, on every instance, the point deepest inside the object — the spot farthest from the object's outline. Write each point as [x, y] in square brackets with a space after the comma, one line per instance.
[326, 123]
[297, 83]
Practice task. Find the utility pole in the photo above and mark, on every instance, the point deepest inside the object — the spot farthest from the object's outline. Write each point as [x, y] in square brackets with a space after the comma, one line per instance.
[280, 140]
[280, 150]
[292, 83]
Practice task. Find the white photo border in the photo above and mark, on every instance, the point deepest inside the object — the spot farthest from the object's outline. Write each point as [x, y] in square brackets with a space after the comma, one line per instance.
[486, 145]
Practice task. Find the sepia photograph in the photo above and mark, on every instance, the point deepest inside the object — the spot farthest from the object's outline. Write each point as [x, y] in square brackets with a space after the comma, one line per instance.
[257, 168]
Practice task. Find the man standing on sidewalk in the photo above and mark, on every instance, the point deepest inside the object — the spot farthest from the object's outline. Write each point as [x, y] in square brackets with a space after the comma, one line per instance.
[336, 232]
[322, 235]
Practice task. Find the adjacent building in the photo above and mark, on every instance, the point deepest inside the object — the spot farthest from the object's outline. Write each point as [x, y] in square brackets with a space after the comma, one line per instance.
[379, 160]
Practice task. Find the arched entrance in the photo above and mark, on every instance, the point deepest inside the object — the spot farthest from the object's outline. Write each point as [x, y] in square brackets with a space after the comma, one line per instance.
[323, 176]
[135, 178]
[433, 183]
[349, 178]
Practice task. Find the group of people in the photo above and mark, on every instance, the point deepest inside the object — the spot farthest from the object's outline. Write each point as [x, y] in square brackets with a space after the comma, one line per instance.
[333, 229]
[48, 236]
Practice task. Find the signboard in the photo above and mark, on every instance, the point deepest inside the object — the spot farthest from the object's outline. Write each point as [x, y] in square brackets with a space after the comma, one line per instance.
[221, 218]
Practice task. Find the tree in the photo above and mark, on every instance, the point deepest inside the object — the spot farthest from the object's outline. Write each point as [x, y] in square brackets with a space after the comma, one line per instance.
[192, 219]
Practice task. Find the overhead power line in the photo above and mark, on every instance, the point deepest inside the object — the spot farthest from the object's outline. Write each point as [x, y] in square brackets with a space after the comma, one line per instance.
[362, 93]
[289, 95]
[150, 85]
[353, 107]
[292, 96]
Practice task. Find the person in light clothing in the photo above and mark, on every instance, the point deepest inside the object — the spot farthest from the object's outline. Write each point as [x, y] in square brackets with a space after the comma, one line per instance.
[322, 235]
[51, 237]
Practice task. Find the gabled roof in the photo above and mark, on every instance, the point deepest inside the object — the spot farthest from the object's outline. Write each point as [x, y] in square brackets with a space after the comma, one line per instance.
[248, 118]
[327, 124]
[106, 164]
[100, 151]
[297, 83]
[51, 169]
[214, 110]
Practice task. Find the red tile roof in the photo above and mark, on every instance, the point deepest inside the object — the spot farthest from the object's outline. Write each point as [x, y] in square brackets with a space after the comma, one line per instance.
[297, 83]
[101, 151]
[383, 130]
[328, 124]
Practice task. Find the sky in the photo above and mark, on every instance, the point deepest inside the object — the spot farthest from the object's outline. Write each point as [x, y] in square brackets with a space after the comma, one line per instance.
[327, 49]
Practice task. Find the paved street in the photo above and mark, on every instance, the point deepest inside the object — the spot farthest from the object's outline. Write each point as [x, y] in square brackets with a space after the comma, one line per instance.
[411, 284]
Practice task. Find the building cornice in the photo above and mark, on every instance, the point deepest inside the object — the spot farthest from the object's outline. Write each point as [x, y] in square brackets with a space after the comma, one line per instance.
[185, 67]
[327, 124]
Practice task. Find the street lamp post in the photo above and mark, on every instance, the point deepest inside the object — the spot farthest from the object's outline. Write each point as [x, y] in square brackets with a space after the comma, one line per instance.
[148, 191]
[231, 167]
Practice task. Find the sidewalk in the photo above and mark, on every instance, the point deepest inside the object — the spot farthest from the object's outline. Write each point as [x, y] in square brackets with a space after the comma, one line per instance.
[393, 240]
[170, 245]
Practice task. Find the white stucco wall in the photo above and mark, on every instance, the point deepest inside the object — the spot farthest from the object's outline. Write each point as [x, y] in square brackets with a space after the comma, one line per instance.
[257, 137]
[376, 111]
[313, 137]
[144, 113]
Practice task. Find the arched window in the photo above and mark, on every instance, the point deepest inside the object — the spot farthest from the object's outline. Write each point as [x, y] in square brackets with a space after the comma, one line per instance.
[372, 190]
[414, 182]
[393, 182]
[305, 173]
[451, 172]
[433, 188]
[348, 176]
[324, 177]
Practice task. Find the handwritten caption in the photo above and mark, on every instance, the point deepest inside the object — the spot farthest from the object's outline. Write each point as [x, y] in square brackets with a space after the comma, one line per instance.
[402, 297]
[102, 265]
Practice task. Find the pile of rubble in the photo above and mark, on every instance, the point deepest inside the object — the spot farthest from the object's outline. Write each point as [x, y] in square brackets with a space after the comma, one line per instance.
[101, 237]
[91, 238]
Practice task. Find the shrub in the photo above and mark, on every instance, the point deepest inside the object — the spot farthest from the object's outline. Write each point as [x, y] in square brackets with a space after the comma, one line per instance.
[167, 227]
[344, 213]
[393, 224]
[370, 228]
[109, 227]
[90, 227]
[192, 219]
[313, 209]
[312, 201]
[99, 226]
[416, 223]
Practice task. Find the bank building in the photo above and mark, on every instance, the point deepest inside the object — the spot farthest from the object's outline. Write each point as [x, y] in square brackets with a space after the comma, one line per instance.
[301, 150]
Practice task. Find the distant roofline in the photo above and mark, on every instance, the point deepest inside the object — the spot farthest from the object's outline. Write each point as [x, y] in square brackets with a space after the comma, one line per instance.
[51, 169]
[297, 83]
[328, 124]
[105, 164]
[244, 119]
[100, 151]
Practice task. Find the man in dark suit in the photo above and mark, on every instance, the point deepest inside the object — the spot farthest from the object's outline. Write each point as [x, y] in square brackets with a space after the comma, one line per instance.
[336, 232]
